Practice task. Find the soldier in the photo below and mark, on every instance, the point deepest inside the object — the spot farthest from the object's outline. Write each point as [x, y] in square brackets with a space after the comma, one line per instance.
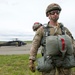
[35, 27]
[52, 12]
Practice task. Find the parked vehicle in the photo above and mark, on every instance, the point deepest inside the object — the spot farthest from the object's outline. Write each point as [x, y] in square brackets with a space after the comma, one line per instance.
[13, 43]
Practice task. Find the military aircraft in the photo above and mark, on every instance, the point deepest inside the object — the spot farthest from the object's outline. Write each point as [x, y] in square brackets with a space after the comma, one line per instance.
[13, 43]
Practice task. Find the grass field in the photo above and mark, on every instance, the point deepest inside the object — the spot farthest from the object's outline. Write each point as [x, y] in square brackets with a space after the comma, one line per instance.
[15, 65]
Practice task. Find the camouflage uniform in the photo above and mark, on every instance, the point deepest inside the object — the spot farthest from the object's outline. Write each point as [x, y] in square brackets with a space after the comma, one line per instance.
[37, 40]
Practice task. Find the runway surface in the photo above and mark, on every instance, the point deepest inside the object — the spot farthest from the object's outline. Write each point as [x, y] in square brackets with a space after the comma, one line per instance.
[9, 50]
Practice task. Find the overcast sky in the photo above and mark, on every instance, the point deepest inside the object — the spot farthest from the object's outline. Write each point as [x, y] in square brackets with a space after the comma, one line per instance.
[19, 15]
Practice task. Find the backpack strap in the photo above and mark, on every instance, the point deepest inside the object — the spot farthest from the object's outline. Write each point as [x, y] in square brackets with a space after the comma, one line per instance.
[46, 33]
[62, 28]
[47, 30]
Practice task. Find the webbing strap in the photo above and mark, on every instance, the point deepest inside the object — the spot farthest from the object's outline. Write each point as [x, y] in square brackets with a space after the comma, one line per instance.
[62, 28]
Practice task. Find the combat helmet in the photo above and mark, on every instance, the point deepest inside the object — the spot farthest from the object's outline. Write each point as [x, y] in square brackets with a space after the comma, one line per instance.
[51, 7]
[36, 25]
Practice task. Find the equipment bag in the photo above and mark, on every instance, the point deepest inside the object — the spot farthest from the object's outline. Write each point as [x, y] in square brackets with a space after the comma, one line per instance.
[67, 62]
[44, 64]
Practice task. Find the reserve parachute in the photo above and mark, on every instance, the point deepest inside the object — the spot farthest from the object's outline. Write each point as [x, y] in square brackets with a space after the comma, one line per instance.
[57, 44]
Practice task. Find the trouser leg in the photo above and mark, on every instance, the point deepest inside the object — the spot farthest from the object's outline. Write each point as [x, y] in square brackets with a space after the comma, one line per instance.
[62, 71]
[52, 72]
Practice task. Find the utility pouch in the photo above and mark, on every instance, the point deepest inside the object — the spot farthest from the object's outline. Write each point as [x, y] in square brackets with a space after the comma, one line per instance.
[44, 64]
[69, 61]
[57, 61]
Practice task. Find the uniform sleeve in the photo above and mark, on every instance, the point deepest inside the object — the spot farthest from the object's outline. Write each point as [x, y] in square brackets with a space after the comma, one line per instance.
[36, 44]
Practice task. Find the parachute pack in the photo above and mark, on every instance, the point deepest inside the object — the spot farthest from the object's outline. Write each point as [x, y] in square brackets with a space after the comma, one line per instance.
[58, 51]
[54, 44]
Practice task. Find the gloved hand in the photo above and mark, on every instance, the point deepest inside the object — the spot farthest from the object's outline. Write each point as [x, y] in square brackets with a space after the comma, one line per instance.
[31, 65]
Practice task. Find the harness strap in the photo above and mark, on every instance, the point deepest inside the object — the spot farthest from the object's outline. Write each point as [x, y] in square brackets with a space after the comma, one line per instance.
[62, 28]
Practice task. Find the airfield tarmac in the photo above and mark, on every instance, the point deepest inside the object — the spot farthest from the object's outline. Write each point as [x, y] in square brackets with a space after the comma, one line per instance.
[9, 50]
